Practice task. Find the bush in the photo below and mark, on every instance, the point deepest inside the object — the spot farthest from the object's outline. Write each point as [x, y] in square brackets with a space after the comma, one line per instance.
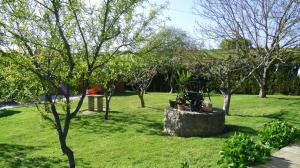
[278, 134]
[241, 150]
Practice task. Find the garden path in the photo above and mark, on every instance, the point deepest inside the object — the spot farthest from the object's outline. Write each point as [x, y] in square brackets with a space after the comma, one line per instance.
[16, 105]
[287, 157]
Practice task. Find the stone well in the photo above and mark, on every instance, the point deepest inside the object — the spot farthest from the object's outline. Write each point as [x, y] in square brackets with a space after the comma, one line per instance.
[188, 124]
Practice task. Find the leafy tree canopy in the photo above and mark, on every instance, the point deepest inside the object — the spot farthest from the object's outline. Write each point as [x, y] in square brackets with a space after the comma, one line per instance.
[230, 44]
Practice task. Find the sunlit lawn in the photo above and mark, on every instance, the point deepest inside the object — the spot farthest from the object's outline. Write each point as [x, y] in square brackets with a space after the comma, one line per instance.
[133, 136]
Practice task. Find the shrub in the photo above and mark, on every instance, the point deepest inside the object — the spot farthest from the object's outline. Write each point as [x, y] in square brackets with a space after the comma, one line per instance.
[278, 134]
[241, 150]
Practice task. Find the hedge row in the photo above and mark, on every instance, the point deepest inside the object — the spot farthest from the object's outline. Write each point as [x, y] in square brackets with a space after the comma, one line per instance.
[282, 81]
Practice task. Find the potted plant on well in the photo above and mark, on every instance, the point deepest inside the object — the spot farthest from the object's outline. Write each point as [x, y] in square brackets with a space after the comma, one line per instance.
[181, 101]
[207, 104]
[183, 77]
[195, 100]
[173, 103]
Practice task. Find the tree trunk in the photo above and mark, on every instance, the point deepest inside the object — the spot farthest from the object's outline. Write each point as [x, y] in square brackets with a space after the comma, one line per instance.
[226, 105]
[107, 102]
[263, 84]
[171, 90]
[171, 84]
[262, 92]
[141, 96]
[62, 133]
[67, 151]
[171, 80]
[71, 159]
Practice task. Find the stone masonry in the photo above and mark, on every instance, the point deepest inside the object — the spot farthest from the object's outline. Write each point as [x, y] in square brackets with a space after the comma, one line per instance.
[189, 124]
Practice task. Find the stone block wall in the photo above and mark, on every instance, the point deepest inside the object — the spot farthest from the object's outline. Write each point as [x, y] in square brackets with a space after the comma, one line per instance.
[189, 124]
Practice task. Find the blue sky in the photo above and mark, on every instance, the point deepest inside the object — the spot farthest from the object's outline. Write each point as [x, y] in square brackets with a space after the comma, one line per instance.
[180, 13]
[181, 16]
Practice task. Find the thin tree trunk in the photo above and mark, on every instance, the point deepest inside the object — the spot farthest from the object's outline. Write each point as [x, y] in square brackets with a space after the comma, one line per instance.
[141, 96]
[262, 92]
[171, 83]
[65, 148]
[67, 151]
[62, 133]
[263, 84]
[226, 105]
[71, 160]
[171, 90]
[107, 103]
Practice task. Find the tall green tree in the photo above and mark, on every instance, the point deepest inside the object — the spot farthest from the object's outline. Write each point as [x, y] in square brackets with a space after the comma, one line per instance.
[228, 74]
[140, 73]
[223, 69]
[61, 42]
[147, 60]
[232, 44]
[108, 77]
[15, 85]
[173, 43]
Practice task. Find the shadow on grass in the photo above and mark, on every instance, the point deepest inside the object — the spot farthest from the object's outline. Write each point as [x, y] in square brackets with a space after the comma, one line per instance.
[288, 98]
[128, 93]
[96, 124]
[155, 128]
[289, 101]
[125, 93]
[145, 125]
[155, 108]
[291, 116]
[276, 115]
[118, 122]
[231, 129]
[6, 113]
[237, 128]
[17, 156]
[294, 104]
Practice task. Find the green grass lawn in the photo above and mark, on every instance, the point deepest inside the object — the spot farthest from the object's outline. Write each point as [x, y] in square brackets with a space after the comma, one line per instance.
[133, 136]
